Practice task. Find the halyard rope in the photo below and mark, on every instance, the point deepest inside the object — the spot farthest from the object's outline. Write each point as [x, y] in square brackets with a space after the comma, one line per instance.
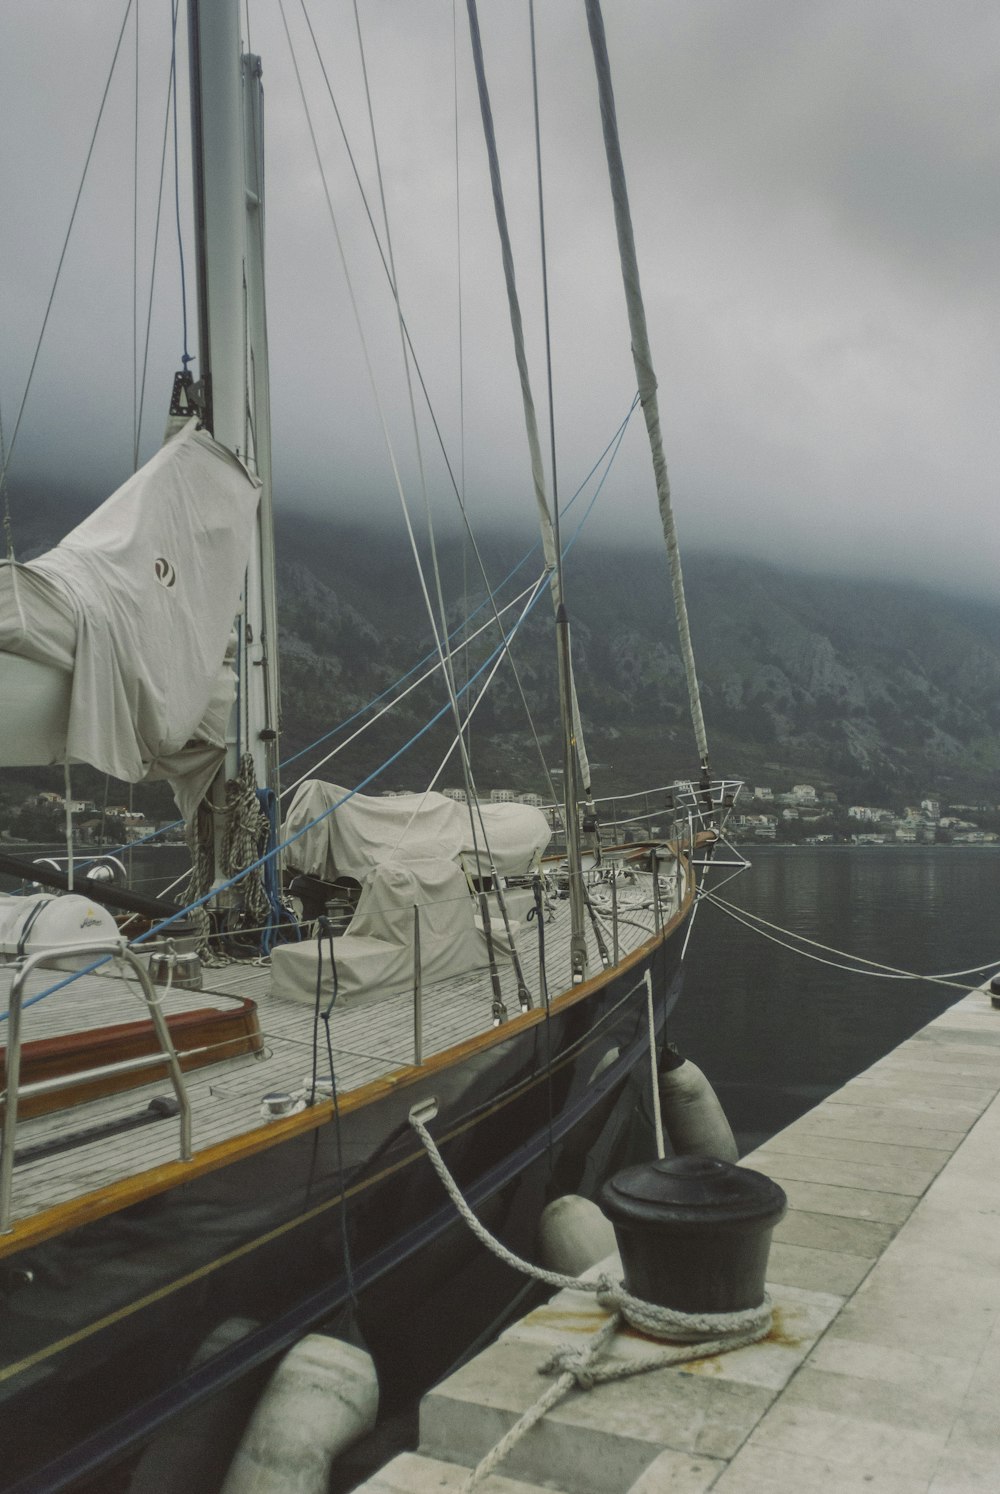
[694, 1335]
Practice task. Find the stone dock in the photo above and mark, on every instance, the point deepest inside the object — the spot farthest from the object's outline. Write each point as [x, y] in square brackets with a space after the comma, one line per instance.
[881, 1374]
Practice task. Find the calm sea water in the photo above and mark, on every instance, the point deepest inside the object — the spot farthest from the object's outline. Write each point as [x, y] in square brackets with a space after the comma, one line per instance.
[776, 1033]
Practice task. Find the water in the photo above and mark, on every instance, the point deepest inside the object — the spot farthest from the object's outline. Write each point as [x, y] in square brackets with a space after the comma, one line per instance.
[777, 1033]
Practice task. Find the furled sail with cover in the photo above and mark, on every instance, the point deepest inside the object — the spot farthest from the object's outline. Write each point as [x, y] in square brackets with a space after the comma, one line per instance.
[364, 832]
[113, 645]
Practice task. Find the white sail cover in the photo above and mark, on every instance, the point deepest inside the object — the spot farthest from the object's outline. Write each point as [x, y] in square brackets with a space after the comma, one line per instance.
[375, 957]
[40, 921]
[364, 832]
[137, 604]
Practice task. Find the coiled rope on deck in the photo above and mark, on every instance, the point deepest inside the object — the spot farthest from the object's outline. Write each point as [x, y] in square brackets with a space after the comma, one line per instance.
[693, 1335]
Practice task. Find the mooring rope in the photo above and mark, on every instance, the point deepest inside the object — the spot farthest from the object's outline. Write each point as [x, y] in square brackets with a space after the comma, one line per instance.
[693, 1335]
[877, 969]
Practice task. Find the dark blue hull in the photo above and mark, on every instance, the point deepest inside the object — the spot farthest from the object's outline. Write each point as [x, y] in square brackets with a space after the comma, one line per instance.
[343, 1226]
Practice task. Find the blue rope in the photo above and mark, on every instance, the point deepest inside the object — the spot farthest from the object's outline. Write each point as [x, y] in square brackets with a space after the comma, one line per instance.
[613, 446]
[272, 853]
[279, 913]
[279, 920]
[239, 688]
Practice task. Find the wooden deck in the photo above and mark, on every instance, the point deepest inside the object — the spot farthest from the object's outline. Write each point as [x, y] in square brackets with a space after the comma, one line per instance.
[372, 1036]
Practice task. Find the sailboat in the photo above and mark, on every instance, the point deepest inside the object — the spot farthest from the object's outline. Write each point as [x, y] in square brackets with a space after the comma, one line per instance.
[202, 1161]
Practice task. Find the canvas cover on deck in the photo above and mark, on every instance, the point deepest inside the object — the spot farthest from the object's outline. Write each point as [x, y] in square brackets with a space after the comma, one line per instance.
[137, 604]
[364, 832]
[376, 954]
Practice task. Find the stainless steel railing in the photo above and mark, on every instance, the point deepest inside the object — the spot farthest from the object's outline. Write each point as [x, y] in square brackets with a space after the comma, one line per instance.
[15, 1091]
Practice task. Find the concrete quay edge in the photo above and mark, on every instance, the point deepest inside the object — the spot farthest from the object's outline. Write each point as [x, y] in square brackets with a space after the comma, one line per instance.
[881, 1373]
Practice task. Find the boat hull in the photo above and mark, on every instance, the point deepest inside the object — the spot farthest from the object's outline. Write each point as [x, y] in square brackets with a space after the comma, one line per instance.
[341, 1225]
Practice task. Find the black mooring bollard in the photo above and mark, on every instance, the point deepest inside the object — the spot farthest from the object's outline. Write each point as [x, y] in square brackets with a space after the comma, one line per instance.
[693, 1232]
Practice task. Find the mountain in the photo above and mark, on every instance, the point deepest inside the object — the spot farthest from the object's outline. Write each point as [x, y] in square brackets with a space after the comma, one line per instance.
[879, 690]
[883, 691]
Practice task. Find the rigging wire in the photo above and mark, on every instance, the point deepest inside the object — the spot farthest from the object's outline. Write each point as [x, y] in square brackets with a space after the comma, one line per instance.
[390, 276]
[549, 542]
[8, 527]
[440, 645]
[276, 850]
[155, 254]
[460, 331]
[543, 255]
[877, 969]
[615, 442]
[428, 674]
[441, 639]
[535, 590]
[186, 357]
[135, 250]
[356, 311]
[65, 245]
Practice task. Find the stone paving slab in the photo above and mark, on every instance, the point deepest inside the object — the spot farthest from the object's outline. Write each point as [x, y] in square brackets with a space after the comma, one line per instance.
[910, 1103]
[848, 1203]
[975, 1093]
[808, 1141]
[863, 1171]
[863, 1237]
[818, 1270]
[896, 1126]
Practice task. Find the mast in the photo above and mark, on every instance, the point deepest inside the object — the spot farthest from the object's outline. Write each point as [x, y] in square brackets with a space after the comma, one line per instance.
[645, 377]
[227, 168]
[575, 764]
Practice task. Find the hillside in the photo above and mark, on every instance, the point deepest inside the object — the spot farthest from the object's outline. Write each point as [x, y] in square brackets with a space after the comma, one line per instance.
[879, 690]
[882, 691]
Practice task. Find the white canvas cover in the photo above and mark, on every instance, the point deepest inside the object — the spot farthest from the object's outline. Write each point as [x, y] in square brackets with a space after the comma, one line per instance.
[365, 832]
[40, 921]
[375, 955]
[517, 835]
[138, 604]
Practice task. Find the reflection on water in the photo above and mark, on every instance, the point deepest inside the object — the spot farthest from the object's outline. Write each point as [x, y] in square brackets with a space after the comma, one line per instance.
[776, 1032]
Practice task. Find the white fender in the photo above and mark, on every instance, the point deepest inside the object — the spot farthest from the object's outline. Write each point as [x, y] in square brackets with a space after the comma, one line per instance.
[693, 1118]
[192, 1453]
[322, 1397]
[574, 1235]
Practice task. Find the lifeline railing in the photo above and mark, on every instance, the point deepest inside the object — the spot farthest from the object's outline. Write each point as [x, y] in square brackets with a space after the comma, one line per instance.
[15, 1091]
[667, 810]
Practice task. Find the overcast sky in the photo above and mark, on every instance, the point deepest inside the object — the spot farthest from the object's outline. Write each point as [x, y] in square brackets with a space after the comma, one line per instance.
[814, 185]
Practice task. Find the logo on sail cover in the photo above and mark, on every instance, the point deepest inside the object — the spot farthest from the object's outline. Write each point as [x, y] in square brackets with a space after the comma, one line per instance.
[164, 571]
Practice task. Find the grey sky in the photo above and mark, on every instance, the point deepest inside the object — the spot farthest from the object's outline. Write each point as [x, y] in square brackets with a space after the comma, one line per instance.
[814, 187]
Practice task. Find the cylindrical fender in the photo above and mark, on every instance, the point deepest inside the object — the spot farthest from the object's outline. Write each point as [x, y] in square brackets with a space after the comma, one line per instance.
[693, 1117]
[322, 1397]
[574, 1235]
